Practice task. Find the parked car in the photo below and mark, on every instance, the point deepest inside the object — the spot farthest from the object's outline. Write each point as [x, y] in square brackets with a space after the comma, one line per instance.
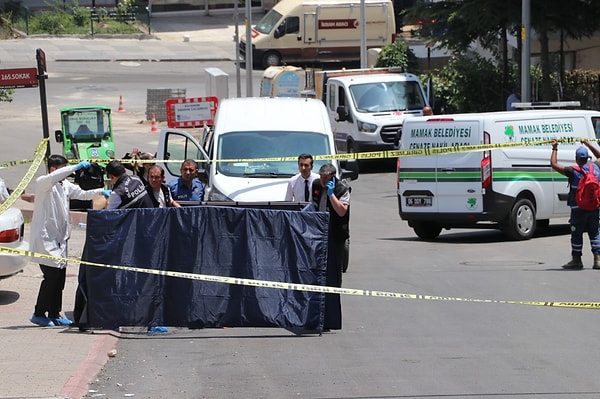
[12, 229]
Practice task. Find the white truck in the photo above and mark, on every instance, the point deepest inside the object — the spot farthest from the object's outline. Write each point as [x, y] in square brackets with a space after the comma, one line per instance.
[319, 31]
[367, 107]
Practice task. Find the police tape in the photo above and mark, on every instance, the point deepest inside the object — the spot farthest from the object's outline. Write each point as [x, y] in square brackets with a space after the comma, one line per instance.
[302, 287]
[38, 157]
[10, 164]
[371, 155]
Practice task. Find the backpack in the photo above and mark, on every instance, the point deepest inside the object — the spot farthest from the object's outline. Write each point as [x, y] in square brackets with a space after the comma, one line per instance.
[587, 195]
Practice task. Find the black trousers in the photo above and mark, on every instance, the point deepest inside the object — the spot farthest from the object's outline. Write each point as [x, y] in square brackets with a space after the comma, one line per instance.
[51, 290]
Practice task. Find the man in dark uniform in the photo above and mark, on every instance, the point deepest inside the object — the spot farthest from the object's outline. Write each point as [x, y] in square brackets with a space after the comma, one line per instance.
[128, 190]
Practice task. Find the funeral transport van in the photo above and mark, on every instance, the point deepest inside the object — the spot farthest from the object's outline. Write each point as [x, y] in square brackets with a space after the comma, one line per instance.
[512, 188]
[306, 31]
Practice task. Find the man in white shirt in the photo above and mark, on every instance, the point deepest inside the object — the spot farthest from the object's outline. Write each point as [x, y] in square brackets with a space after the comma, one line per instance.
[299, 186]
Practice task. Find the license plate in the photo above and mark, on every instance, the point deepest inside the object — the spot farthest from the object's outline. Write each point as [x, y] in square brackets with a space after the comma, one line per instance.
[419, 201]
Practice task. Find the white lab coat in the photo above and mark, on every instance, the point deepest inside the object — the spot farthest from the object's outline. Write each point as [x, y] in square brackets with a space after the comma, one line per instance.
[3, 191]
[50, 226]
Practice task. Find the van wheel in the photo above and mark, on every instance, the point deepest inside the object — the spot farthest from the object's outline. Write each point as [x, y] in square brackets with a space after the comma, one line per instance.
[521, 221]
[271, 58]
[427, 231]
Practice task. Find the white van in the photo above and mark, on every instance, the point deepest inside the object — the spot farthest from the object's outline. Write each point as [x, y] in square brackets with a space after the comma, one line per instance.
[323, 30]
[367, 107]
[511, 188]
[254, 128]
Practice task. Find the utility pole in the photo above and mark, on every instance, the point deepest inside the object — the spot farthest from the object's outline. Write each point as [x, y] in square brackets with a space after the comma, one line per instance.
[526, 53]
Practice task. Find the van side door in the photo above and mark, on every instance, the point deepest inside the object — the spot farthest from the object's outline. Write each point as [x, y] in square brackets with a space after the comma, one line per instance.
[175, 146]
[341, 123]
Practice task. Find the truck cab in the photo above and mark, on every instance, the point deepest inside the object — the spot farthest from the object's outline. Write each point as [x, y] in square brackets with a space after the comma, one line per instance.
[86, 133]
[367, 108]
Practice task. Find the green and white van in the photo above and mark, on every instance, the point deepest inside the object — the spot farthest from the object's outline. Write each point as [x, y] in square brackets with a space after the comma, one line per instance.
[512, 188]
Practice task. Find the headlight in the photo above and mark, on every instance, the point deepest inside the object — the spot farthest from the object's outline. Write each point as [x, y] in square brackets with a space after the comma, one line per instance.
[216, 195]
[366, 127]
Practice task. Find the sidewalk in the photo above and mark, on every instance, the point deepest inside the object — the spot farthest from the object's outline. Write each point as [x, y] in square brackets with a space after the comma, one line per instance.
[58, 362]
[49, 362]
[173, 38]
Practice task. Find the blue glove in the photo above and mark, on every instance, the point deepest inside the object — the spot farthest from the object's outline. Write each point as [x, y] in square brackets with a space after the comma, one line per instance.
[330, 187]
[106, 193]
[83, 165]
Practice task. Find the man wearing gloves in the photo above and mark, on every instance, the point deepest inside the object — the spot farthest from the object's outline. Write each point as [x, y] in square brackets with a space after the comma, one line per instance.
[50, 231]
[332, 195]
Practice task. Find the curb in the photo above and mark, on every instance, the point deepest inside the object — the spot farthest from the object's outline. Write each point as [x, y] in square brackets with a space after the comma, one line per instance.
[77, 386]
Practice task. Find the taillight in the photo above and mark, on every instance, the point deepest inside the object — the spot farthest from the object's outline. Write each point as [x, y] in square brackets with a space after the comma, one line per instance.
[8, 236]
[486, 164]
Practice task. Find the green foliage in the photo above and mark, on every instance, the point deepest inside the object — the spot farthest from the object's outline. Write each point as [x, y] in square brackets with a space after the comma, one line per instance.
[76, 20]
[6, 95]
[468, 84]
[397, 54]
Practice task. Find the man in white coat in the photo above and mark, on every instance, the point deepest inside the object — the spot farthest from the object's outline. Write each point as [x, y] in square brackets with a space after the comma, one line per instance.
[299, 186]
[50, 231]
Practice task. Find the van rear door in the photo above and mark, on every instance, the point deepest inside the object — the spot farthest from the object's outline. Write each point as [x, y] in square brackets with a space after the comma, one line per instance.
[442, 182]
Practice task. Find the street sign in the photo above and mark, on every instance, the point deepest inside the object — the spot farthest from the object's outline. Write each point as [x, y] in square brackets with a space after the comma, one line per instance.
[18, 77]
[191, 112]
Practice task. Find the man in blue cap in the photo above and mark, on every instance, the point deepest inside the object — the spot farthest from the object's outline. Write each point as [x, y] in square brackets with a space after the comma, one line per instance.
[581, 221]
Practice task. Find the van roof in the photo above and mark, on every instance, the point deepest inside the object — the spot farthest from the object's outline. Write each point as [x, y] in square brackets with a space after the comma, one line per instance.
[512, 114]
[377, 77]
[272, 114]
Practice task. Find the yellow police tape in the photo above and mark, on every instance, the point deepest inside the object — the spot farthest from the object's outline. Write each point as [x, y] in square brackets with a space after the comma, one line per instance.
[303, 287]
[416, 152]
[39, 154]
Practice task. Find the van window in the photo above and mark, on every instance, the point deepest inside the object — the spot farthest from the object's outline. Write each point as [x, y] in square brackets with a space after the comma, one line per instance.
[387, 96]
[596, 125]
[181, 148]
[267, 144]
[292, 25]
[268, 22]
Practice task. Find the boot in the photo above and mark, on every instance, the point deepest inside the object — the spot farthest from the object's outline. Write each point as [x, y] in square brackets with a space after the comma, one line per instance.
[596, 261]
[575, 263]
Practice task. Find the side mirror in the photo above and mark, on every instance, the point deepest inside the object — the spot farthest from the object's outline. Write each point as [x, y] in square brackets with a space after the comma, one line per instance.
[277, 33]
[342, 114]
[349, 169]
[58, 136]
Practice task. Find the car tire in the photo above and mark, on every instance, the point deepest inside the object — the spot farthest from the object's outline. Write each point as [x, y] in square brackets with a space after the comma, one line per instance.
[426, 230]
[521, 223]
[271, 58]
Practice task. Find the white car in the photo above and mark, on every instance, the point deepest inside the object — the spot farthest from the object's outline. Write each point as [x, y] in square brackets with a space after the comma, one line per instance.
[12, 229]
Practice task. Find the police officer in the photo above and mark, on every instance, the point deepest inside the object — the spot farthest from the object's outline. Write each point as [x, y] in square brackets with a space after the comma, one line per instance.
[128, 190]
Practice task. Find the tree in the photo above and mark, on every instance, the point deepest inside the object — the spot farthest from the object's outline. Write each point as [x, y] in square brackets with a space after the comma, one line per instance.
[459, 22]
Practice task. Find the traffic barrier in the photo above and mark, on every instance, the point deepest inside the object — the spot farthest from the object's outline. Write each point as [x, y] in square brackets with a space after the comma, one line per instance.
[154, 127]
[121, 109]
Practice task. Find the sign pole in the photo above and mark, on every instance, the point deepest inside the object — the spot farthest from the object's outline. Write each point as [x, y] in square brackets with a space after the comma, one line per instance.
[42, 76]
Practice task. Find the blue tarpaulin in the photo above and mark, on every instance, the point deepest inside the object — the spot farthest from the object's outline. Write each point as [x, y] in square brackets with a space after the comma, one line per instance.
[263, 244]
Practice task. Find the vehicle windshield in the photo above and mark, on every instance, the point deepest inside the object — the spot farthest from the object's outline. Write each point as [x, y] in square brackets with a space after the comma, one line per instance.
[241, 147]
[88, 125]
[387, 96]
[268, 22]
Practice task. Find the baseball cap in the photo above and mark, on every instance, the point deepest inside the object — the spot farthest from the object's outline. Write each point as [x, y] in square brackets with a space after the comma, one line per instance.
[582, 153]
